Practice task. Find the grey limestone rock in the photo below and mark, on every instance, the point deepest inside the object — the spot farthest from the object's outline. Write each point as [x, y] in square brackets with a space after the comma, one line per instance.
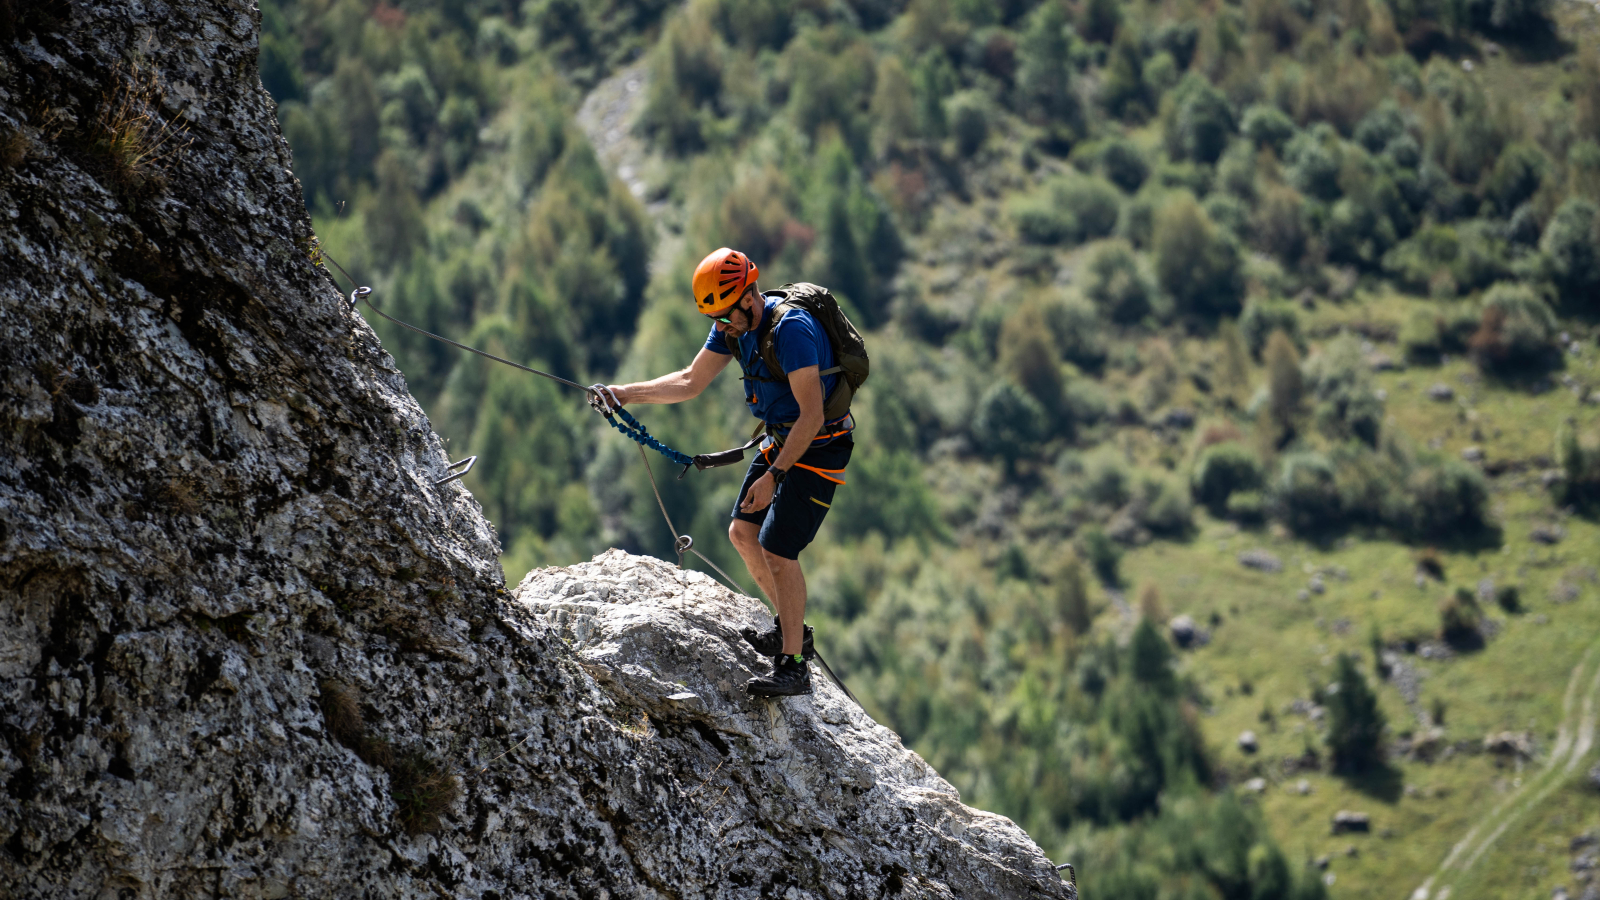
[234, 605]
[1261, 560]
[1345, 821]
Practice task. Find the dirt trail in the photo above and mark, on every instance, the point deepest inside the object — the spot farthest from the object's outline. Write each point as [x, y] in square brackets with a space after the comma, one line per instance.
[606, 116]
[1574, 739]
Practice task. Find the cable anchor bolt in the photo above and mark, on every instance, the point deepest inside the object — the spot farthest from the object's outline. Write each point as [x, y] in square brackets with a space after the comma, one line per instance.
[465, 465]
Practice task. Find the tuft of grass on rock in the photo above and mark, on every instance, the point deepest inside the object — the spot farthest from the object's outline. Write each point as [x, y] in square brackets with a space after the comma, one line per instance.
[420, 784]
[341, 713]
[136, 143]
[422, 789]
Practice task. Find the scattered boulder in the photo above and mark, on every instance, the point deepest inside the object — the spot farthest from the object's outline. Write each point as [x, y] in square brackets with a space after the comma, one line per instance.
[1441, 392]
[1303, 788]
[1261, 560]
[1346, 822]
[1382, 362]
[1472, 454]
[1248, 742]
[1427, 744]
[1548, 534]
[1256, 785]
[1183, 630]
[1321, 862]
[1509, 743]
[1317, 586]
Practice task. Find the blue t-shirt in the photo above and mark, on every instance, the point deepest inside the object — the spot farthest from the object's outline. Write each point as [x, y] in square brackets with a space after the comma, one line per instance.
[800, 342]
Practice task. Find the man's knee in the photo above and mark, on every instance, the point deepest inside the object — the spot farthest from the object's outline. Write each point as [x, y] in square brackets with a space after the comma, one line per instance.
[743, 534]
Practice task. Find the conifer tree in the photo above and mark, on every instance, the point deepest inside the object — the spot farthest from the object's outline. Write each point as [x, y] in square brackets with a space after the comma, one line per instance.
[1355, 723]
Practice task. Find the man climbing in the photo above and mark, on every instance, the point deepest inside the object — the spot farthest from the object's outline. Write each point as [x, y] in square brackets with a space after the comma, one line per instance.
[789, 486]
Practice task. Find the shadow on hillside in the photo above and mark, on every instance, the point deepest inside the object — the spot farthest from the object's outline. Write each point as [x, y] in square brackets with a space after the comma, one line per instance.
[1537, 43]
[1384, 782]
[1489, 536]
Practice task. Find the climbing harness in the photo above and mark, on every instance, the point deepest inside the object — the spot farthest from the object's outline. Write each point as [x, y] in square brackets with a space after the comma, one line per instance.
[629, 426]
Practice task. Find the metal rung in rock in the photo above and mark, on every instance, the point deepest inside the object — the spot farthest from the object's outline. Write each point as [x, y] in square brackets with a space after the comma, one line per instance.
[467, 463]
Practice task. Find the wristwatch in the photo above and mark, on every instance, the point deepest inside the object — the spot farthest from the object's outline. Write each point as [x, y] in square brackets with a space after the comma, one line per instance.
[777, 475]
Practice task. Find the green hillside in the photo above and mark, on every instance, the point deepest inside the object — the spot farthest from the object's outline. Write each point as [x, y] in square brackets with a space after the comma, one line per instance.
[1147, 286]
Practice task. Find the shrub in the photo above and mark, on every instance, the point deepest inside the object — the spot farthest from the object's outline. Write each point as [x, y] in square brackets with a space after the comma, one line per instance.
[1380, 127]
[1150, 658]
[1072, 598]
[1009, 423]
[1078, 331]
[1448, 500]
[1223, 470]
[1509, 598]
[1124, 90]
[1102, 553]
[891, 497]
[1028, 356]
[1355, 723]
[1268, 126]
[1124, 164]
[1313, 157]
[1307, 493]
[1341, 384]
[1164, 506]
[1460, 618]
[1236, 171]
[1041, 221]
[1517, 330]
[1044, 73]
[1105, 478]
[1572, 244]
[1280, 225]
[1196, 263]
[1516, 176]
[1230, 213]
[1285, 382]
[1095, 201]
[1201, 122]
[1428, 333]
[1579, 460]
[1115, 283]
[1072, 209]
[1247, 506]
[968, 115]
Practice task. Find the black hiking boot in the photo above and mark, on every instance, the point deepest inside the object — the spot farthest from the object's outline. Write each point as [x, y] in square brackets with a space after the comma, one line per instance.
[789, 677]
[770, 643]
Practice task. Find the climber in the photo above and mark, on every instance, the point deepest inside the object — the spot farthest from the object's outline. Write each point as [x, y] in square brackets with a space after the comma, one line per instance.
[793, 353]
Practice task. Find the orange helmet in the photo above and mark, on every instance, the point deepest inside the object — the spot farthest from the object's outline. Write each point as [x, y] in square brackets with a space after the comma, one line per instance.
[720, 280]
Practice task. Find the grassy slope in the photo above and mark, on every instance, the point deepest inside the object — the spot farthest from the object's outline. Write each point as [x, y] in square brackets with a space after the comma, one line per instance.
[1280, 645]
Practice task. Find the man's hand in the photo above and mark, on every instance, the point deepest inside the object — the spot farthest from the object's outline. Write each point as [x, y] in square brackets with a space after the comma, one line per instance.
[759, 496]
[603, 399]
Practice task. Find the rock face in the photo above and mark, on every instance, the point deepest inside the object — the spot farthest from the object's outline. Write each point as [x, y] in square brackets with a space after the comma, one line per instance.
[248, 648]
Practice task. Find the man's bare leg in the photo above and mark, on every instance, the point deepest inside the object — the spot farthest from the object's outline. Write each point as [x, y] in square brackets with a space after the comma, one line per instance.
[746, 538]
[790, 598]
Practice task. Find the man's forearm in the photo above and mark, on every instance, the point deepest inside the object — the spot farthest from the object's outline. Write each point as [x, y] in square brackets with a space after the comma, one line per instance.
[799, 439]
[674, 388]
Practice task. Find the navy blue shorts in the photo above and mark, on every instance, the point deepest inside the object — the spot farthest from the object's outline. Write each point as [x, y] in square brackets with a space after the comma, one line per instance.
[790, 523]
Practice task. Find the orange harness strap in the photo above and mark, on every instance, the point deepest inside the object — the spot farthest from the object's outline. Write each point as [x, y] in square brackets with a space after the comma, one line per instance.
[825, 473]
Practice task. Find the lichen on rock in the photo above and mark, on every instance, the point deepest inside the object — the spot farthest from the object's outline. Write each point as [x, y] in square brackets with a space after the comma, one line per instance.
[249, 648]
